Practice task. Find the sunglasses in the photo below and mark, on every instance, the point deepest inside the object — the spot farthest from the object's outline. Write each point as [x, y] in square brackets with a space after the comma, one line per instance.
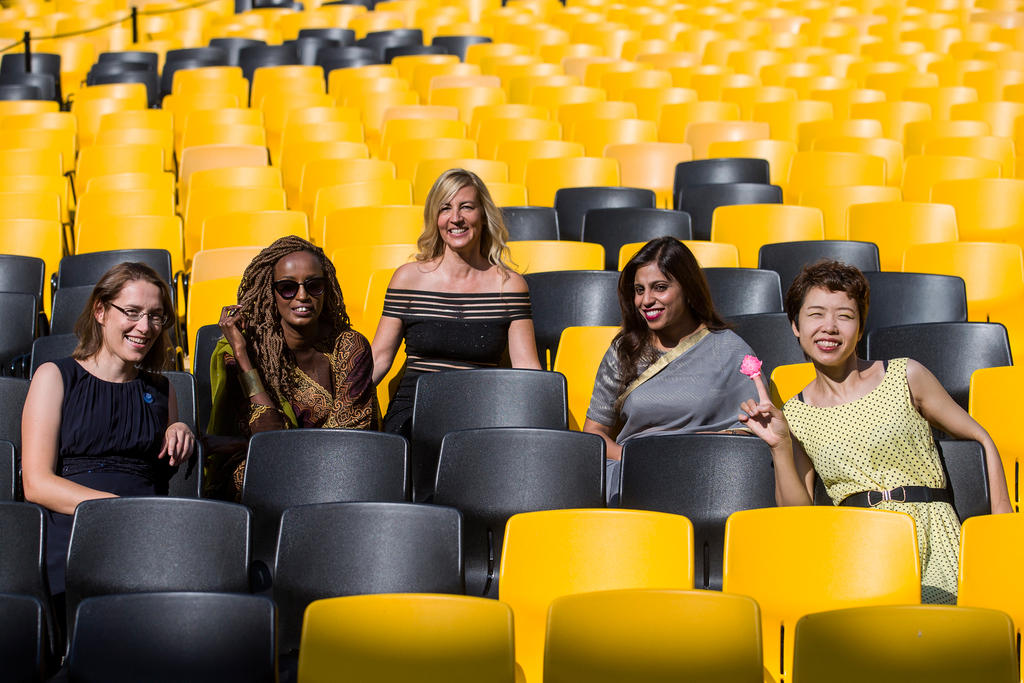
[289, 289]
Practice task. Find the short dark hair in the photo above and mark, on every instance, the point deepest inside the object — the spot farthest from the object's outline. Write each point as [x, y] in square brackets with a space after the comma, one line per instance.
[90, 336]
[834, 276]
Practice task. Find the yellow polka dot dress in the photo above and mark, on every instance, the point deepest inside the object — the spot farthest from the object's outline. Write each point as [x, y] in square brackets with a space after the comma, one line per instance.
[880, 442]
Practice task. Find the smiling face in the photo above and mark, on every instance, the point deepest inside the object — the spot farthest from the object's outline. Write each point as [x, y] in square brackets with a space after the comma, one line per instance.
[460, 220]
[828, 326]
[662, 303]
[303, 311]
[131, 341]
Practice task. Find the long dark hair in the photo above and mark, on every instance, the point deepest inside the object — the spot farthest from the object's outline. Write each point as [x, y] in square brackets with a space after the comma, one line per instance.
[90, 334]
[271, 356]
[677, 262]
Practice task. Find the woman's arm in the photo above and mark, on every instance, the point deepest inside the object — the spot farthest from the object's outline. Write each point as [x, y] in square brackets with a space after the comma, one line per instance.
[179, 441]
[386, 341]
[939, 408]
[40, 430]
[612, 451]
[522, 345]
[794, 473]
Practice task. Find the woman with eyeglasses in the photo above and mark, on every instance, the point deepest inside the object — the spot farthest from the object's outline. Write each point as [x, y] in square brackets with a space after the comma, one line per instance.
[99, 423]
[289, 358]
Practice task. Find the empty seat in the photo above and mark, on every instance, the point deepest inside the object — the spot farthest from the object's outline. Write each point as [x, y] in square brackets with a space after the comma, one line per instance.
[743, 291]
[23, 640]
[570, 298]
[491, 474]
[702, 477]
[788, 258]
[334, 549]
[611, 228]
[202, 637]
[573, 203]
[753, 225]
[530, 222]
[721, 170]
[302, 467]
[700, 201]
[770, 335]
[488, 398]
[22, 568]
[951, 351]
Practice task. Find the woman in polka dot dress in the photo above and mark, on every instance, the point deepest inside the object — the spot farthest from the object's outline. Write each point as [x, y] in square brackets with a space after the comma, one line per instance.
[865, 426]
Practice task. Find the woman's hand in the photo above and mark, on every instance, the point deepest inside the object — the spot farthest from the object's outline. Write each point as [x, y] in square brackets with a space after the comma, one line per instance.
[763, 418]
[179, 443]
[231, 326]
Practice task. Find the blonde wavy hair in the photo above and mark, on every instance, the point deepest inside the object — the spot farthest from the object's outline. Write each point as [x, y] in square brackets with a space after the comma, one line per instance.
[494, 237]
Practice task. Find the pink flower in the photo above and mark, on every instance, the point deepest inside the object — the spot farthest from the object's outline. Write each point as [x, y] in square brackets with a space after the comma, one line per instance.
[751, 366]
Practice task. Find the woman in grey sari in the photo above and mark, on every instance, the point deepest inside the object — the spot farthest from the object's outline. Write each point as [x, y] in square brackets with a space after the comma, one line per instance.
[674, 365]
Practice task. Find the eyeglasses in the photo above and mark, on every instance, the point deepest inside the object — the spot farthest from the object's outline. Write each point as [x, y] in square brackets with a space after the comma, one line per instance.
[289, 289]
[155, 319]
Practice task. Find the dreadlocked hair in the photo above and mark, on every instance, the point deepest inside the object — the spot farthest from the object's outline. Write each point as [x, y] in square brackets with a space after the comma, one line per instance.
[271, 356]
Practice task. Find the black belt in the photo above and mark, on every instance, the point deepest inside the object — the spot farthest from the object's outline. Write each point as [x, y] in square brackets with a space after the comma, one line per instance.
[900, 494]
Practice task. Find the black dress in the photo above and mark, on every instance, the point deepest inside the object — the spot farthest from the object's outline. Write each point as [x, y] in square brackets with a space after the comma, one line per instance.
[110, 435]
[448, 331]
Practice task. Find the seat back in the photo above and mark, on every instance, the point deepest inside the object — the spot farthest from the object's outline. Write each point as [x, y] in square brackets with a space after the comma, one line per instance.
[202, 637]
[570, 298]
[491, 474]
[288, 468]
[664, 635]
[334, 549]
[700, 201]
[789, 258]
[22, 637]
[561, 552]
[799, 560]
[751, 226]
[771, 337]
[702, 477]
[988, 391]
[431, 637]
[611, 228]
[744, 291]
[573, 203]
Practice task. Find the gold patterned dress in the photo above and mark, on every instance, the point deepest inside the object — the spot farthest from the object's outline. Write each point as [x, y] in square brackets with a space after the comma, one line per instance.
[349, 403]
[880, 442]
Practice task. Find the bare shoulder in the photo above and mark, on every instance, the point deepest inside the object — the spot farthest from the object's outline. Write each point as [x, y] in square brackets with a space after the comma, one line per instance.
[515, 283]
[414, 275]
[47, 375]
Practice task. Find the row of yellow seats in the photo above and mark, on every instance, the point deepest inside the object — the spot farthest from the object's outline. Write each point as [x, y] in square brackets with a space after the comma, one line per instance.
[791, 561]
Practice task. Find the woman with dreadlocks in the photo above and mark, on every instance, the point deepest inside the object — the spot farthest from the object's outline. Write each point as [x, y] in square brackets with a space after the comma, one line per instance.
[289, 357]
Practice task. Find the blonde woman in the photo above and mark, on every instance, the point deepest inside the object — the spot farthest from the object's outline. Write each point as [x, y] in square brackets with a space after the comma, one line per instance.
[459, 305]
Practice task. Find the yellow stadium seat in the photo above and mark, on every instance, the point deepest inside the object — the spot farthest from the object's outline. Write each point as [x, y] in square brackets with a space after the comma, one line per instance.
[134, 232]
[419, 111]
[424, 75]
[597, 134]
[1000, 116]
[38, 237]
[555, 96]
[920, 133]
[428, 171]
[467, 99]
[518, 153]
[700, 136]
[90, 111]
[940, 98]
[407, 154]
[377, 225]
[320, 173]
[212, 200]
[944, 644]
[206, 157]
[809, 132]
[210, 79]
[570, 114]
[508, 194]
[504, 111]
[277, 108]
[922, 172]
[60, 140]
[252, 228]
[663, 635]
[295, 157]
[890, 151]
[778, 153]
[789, 380]
[545, 176]
[650, 165]
[31, 162]
[206, 299]
[987, 209]
[784, 117]
[894, 226]
[580, 352]
[355, 265]
[493, 132]
[799, 560]
[835, 202]
[980, 147]
[748, 96]
[97, 205]
[520, 88]
[107, 159]
[992, 271]
[617, 83]
[991, 553]
[539, 256]
[211, 264]
[433, 637]
[380, 192]
[893, 116]
[561, 552]
[675, 118]
[397, 130]
[749, 226]
[816, 169]
[48, 184]
[987, 405]
[649, 101]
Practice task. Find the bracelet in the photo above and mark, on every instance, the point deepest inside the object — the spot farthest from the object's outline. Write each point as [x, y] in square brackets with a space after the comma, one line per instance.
[251, 383]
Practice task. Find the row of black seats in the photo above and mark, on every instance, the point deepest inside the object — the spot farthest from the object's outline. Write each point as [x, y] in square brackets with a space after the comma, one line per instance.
[306, 545]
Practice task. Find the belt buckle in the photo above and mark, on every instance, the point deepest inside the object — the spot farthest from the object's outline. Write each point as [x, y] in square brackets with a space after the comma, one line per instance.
[902, 490]
[872, 502]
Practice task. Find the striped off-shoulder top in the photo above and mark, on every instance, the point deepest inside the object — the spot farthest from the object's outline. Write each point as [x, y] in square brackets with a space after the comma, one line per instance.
[455, 331]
